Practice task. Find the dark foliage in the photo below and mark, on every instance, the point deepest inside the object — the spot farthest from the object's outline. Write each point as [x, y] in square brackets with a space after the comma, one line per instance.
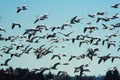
[26, 74]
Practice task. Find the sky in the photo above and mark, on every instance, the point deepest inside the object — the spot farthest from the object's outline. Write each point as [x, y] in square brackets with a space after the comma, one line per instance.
[59, 11]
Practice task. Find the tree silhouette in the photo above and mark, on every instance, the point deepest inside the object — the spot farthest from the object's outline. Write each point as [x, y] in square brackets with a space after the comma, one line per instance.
[112, 74]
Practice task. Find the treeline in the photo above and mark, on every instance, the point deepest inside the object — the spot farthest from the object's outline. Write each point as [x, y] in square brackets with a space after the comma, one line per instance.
[26, 74]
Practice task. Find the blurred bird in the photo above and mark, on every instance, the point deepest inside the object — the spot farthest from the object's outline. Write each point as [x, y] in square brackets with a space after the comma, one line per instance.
[66, 24]
[66, 35]
[71, 57]
[24, 7]
[101, 13]
[106, 19]
[61, 73]
[16, 24]
[91, 16]
[104, 58]
[58, 56]
[114, 57]
[107, 27]
[51, 35]
[6, 62]
[115, 5]
[81, 69]
[110, 43]
[42, 17]
[55, 65]
[2, 29]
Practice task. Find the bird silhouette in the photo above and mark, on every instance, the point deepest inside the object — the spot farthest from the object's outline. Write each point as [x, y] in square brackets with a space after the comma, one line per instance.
[108, 28]
[51, 35]
[24, 7]
[114, 57]
[106, 19]
[72, 21]
[16, 24]
[71, 57]
[101, 13]
[42, 17]
[91, 16]
[16, 54]
[110, 43]
[115, 5]
[6, 62]
[91, 52]
[66, 35]
[65, 24]
[2, 29]
[90, 29]
[61, 73]
[54, 67]
[58, 56]
[81, 69]
[104, 58]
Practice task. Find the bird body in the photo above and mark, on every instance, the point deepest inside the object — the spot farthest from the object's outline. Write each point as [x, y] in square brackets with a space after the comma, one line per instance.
[115, 5]
[24, 7]
[2, 29]
[104, 58]
[6, 62]
[42, 17]
[55, 65]
[58, 56]
[16, 24]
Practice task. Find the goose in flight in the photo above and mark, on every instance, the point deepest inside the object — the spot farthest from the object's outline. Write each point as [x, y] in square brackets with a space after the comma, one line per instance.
[115, 16]
[101, 13]
[90, 29]
[58, 56]
[75, 20]
[66, 35]
[16, 55]
[55, 65]
[71, 57]
[118, 48]
[8, 49]
[31, 39]
[116, 25]
[114, 57]
[104, 58]
[91, 52]
[110, 43]
[42, 17]
[66, 63]
[43, 69]
[107, 27]
[14, 24]
[27, 49]
[81, 69]
[19, 46]
[105, 40]
[61, 73]
[6, 62]
[83, 41]
[2, 29]
[91, 16]
[113, 35]
[54, 28]
[51, 35]
[66, 24]
[41, 27]
[115, 5]
[72, 21]
[24, 7]
[103, 19]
